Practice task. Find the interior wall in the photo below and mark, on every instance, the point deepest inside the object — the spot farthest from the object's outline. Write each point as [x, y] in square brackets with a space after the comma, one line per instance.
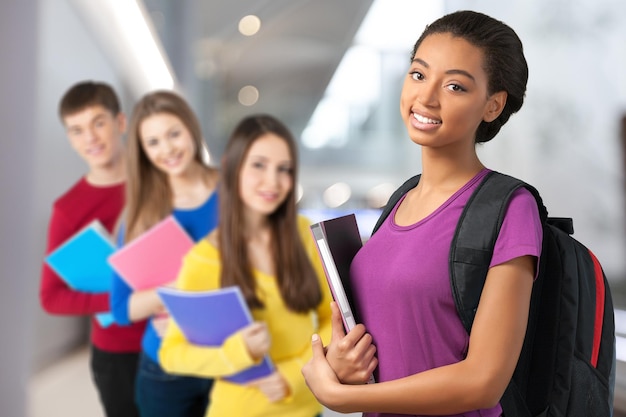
[18, 45]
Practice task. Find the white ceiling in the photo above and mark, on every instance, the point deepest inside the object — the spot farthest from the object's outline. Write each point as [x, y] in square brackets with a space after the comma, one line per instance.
[290, 60]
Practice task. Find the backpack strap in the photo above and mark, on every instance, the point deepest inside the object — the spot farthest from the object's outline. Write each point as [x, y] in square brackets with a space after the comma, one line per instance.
[475, 237]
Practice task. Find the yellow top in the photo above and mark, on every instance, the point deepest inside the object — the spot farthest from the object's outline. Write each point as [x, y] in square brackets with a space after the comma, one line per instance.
[290, 335]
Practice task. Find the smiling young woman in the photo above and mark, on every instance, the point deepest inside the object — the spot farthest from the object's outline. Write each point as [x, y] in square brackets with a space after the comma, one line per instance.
[266, 249]
[166, 176]
[467, 75]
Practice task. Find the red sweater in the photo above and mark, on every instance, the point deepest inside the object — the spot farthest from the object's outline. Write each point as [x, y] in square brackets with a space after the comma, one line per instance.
[71, 212]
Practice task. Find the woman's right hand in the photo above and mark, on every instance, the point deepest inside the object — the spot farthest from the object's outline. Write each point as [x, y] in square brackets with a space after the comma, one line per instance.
[257, 339]
[351, 356]
[144, 304]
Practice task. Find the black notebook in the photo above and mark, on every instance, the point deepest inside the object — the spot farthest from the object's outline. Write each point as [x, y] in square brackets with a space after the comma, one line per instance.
[338, 240]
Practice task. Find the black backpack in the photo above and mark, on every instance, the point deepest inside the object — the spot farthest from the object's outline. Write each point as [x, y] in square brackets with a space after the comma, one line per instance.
[567, 363]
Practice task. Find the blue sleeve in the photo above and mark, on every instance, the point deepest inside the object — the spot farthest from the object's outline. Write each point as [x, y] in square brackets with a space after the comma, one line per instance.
[120, 291]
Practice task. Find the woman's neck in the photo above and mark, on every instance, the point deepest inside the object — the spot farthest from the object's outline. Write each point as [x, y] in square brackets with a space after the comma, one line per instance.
[258, 239]
[256, 227]
[448, 171]
[441, 178]
[192, 188]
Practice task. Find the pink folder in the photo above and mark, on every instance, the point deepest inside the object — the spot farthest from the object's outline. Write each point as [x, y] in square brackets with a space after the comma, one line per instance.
[154, 258]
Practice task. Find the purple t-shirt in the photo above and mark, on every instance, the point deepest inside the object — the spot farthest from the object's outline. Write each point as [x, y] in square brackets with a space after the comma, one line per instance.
[401, 281]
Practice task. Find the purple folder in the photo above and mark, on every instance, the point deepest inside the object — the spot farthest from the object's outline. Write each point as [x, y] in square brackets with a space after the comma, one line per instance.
[207, 318]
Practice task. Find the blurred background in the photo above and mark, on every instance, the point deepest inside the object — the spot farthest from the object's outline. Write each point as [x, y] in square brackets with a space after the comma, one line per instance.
[332, 70]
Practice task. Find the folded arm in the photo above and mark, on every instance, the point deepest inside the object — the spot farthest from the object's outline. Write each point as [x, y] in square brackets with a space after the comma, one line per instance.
[130, 306]
[179, 356]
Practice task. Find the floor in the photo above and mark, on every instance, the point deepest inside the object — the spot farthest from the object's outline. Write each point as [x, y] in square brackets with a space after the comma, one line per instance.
[65, 389]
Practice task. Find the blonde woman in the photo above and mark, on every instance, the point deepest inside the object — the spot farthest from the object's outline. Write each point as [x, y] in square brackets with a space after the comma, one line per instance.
[166, 175]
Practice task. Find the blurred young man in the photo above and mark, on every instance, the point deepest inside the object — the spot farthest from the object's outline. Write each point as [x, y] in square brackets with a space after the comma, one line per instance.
[95, 125]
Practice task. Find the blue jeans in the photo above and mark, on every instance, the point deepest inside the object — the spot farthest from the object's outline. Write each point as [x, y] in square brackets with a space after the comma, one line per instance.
[158, 393]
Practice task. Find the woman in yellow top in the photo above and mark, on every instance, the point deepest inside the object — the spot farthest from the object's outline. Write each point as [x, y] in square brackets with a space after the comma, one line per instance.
[263, 246]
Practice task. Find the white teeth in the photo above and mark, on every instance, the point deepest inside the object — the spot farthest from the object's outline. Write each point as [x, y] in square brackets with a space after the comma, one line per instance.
[172, 161]
[93, 150]
[423, 119]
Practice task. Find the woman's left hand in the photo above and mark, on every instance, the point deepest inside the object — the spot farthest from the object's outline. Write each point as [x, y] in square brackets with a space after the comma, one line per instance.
[273, 386]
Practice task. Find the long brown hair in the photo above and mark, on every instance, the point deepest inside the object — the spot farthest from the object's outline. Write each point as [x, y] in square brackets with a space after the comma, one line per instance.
[295, 275]
[148, 192]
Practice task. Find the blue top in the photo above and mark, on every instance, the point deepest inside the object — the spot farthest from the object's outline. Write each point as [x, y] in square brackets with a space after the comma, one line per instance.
[197, 222]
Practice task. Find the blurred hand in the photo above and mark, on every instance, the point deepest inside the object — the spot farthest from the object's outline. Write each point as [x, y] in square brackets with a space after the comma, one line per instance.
[273, 386]
[352, 356]
[158, 307]
[257, 339]
[160, 323]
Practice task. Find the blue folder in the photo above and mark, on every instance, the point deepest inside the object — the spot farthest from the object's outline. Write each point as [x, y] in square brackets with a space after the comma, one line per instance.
[82, 262]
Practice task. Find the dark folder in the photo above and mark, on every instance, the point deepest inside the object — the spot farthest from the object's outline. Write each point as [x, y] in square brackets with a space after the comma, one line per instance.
[338, 240]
